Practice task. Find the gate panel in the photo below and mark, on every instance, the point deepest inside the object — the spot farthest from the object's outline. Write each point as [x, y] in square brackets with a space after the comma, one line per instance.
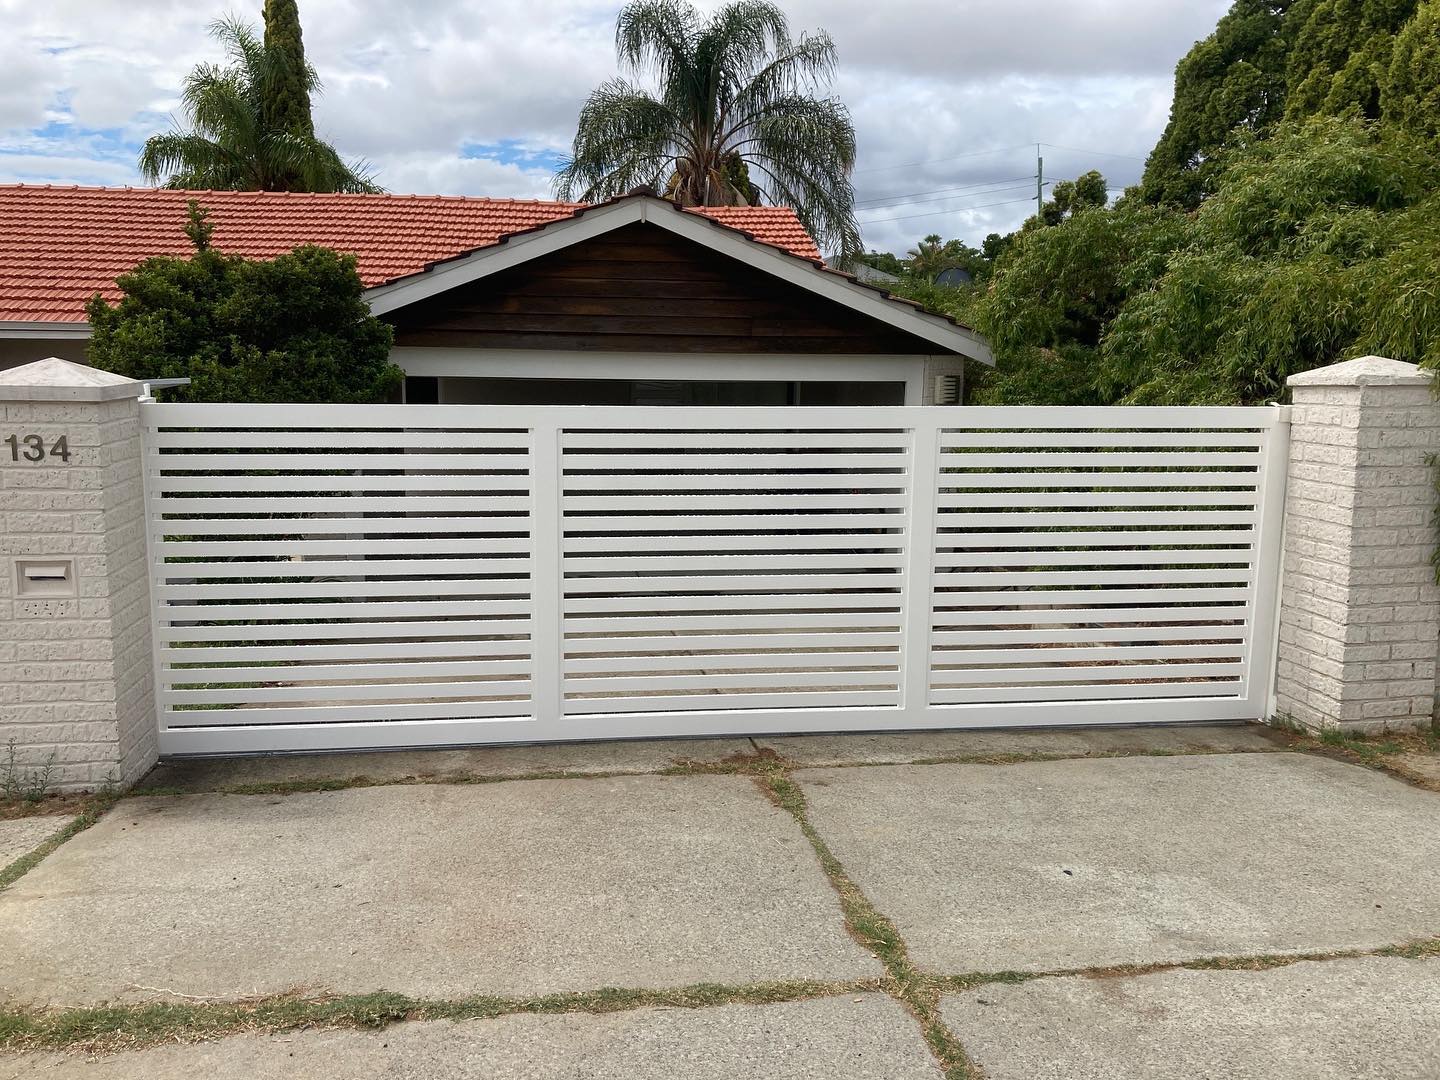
[728, 569]
[1115, 555]
[364, 576]
[320, 573]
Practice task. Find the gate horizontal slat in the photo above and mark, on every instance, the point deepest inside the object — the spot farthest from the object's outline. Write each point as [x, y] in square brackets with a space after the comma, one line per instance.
[790, 662]
[478, 567]
[348, 713]
[397, 629]
[995, 695]
[956, 660]
[336, 465]
[197, 655]
[373, 525]
[289, 673]
[579, 708]
[419, 588]
[241, 695]
[406, 483]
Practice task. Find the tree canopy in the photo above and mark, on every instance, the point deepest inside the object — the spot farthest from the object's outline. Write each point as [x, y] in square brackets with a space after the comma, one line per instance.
[1235, 78]
[1288, 218]
[250, 126]
[1274, 60]
[735, 117]
[295, 328]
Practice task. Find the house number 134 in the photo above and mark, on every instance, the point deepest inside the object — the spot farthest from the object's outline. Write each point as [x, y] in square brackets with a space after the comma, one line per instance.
[33, 448]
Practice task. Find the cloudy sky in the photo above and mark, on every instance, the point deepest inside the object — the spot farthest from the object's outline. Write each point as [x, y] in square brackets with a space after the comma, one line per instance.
[480, 96]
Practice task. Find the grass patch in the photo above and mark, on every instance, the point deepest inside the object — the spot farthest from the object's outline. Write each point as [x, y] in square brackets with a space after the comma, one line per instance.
[875, 932]
[1377, 752]
[1369, 750]
[111, 1028]
[89, 814]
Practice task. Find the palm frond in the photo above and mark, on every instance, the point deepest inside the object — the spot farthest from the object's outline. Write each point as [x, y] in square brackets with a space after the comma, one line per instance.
[732, 92]
[625, 138]
[231, 145]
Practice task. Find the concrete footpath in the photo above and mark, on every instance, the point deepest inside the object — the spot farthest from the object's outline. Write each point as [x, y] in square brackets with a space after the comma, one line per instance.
[1064, 904]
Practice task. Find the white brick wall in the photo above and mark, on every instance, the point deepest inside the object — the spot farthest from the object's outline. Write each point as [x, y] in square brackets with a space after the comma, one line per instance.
[76, 672]
[1359, 610]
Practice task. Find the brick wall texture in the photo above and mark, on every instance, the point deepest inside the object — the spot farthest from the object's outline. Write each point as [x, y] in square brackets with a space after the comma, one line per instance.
[76, 672]
[1360, 611]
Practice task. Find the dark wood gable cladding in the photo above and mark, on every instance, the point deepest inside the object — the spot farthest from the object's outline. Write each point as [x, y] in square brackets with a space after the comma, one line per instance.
[641, 288]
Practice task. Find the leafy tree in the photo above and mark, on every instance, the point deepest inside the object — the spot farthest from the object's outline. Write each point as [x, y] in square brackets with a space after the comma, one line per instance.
[1235, 78]
[994, 245]
[887, 261]
[1069, 197]
[286, 105]
[1320, 243]
[1411, 95]
[1055, 292]
[733, 120]
[1340, 55]
[247, 130]
[291, 329]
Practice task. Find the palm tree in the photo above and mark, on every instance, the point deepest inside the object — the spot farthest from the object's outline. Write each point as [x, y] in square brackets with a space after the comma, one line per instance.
[929, 257]
[231, 146]
[734, 120]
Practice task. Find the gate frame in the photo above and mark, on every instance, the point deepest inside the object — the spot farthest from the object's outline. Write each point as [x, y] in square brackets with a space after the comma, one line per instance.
[550, 721]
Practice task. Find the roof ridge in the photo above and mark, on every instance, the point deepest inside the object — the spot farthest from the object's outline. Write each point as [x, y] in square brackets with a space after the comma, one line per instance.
[396, 195]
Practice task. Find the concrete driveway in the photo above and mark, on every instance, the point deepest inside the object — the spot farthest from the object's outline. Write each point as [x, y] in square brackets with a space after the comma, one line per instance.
[1165, 902]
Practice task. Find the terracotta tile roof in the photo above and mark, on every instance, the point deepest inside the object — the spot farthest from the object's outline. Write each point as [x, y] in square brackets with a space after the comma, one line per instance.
[60, 245]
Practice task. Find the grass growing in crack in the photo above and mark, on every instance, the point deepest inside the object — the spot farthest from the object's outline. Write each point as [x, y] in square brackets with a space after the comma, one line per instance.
[1369, 750]
[112, 1028]
[759, 763]
[89, 814]
[1374, 752]
[878, 934]
[1424, 949]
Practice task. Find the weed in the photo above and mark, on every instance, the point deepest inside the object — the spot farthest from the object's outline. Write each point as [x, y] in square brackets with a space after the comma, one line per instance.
[1287, 723]
[876, 933]
[118, 1027]
[19, 784]
[91, 812]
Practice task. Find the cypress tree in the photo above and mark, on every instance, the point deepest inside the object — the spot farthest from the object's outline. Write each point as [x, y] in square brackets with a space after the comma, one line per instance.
[1411, 96]
[287, 98]
[1234, 78]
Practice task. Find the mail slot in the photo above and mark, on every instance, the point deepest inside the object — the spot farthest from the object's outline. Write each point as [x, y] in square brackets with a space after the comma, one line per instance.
[44, 577]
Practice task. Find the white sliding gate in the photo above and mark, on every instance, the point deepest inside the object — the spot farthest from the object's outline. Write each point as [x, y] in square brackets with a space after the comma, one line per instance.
[342, 576]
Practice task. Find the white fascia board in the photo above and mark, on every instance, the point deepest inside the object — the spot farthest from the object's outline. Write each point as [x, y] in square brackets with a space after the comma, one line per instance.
[685, 367]
[600, 220]
[53, 331]
[519, 248]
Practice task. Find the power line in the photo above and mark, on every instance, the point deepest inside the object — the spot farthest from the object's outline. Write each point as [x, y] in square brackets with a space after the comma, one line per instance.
[1096, 153]
[948, 209]
[937, 161]
[954, 210]
[908, 200]
[996, 150]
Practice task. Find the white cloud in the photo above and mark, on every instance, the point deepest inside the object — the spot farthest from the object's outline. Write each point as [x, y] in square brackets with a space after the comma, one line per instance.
[414, 88]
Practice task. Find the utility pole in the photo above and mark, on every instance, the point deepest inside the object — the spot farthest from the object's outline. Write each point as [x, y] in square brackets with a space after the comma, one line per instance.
[1039, 181]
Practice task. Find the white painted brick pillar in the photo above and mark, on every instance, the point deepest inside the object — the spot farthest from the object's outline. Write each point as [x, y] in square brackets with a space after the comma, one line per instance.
[1359, 608]
[76, 672]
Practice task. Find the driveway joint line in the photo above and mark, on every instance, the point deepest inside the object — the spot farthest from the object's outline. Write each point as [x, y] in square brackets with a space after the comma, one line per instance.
[113, 1028]
[877, 933]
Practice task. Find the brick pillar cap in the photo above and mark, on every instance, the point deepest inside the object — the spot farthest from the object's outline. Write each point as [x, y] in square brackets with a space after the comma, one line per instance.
[1364, 371]
[62, 380]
